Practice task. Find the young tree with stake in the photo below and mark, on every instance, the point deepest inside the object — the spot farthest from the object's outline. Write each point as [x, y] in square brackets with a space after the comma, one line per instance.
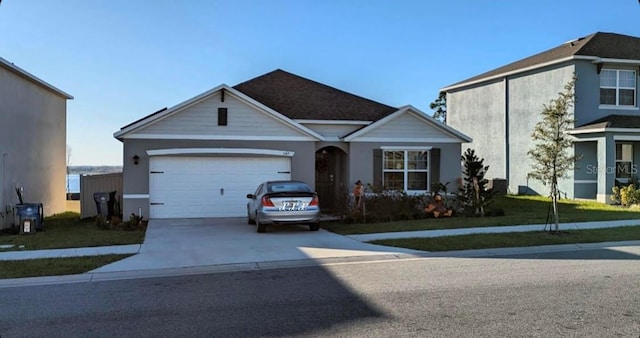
[551, 155]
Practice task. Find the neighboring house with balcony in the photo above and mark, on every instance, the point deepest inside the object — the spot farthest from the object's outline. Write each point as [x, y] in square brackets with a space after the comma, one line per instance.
[201, 157]
[500, 108]
[33, 119]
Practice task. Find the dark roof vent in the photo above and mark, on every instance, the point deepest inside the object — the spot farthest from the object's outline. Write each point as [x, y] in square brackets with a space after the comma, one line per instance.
[573, 42]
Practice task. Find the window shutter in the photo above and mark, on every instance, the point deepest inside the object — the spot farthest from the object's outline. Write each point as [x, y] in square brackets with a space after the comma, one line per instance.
[377, 168]
[434, 166]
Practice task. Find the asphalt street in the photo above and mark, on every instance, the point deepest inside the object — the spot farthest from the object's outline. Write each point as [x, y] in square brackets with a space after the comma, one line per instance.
[567, 294]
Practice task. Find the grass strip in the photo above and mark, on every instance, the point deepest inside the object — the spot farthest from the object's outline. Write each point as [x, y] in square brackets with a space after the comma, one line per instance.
[55, 266]
[518, 210]
[67, 230]
[514, 239]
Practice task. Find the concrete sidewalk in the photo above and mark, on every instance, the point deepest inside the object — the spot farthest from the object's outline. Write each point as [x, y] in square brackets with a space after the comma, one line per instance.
[135, 248]
[309, 249]
[71, 252]
[496, 229]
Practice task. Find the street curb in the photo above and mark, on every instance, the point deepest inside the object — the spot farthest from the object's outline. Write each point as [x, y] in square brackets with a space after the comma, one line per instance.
[91, 277]
[479, 253]
[196, 270]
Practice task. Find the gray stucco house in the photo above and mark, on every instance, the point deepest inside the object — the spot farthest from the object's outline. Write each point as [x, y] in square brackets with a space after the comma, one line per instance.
[500, 108]
[33, 136]
[202, 157]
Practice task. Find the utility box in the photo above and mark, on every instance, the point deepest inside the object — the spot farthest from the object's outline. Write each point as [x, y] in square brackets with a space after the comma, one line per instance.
[33, 212]
[499, 186]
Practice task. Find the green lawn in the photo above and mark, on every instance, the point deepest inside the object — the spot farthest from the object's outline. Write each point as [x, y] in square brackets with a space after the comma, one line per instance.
[514, 239]
[518, 210]
[54, 266]
[67, 230]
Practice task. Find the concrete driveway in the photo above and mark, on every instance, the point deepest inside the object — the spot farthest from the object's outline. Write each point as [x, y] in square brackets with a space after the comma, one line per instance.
[187, 243]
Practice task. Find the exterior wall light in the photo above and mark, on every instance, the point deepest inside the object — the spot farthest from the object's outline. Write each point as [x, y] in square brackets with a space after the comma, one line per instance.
[136, 159]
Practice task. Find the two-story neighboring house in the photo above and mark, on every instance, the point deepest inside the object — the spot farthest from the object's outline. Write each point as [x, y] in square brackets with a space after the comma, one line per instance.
[499, 109]
[33, 125]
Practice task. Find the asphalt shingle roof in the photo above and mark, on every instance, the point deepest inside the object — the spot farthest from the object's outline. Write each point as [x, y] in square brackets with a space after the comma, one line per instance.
[300, 98]
[612, 121]
[604, 45]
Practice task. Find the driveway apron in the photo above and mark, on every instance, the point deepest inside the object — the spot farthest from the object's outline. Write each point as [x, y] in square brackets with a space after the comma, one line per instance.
[181, 243]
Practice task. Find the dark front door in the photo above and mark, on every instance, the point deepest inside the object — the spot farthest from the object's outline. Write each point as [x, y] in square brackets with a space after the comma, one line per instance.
[326, 179]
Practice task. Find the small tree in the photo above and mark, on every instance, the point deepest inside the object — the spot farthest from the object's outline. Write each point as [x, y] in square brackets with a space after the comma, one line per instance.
[474, 193]
[550, 153]
[439, 107]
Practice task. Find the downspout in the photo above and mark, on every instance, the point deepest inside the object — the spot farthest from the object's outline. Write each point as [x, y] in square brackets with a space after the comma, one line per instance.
[506, 130]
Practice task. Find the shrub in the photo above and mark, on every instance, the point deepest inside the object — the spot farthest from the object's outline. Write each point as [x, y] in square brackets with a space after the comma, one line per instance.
[343, 202]
[388, 206]
[135, 223]
[474, 195]
[626, 195]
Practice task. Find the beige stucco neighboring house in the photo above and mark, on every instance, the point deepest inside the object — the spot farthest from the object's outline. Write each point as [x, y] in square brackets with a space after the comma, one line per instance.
[32, 142]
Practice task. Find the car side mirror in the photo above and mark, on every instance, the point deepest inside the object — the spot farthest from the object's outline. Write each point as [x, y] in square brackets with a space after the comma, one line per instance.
[251, 196]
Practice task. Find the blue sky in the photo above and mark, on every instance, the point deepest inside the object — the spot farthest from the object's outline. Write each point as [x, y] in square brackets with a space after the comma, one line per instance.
[124, 59]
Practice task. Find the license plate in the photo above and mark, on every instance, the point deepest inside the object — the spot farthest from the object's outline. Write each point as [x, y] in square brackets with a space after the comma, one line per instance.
[293, 206]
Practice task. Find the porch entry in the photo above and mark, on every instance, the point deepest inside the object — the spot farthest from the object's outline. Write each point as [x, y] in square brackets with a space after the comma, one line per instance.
[330, 177]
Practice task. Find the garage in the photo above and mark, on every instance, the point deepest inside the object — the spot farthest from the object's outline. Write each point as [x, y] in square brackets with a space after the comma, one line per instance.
[211, 184]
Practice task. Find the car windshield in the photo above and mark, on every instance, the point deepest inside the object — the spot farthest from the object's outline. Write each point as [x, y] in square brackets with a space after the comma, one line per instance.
[288, 187]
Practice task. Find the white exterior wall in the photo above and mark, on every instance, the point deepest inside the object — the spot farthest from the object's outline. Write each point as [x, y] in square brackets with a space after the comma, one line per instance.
[32, 145]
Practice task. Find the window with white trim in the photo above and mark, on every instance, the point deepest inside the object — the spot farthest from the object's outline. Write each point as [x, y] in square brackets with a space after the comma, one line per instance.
[618, 87]
[405, 170]
[624, 160]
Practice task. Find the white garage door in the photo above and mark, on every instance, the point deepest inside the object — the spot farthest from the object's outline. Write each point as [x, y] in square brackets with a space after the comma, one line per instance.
[196, 187]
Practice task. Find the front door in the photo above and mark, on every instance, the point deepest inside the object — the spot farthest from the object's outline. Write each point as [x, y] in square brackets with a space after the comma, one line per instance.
[326, 178]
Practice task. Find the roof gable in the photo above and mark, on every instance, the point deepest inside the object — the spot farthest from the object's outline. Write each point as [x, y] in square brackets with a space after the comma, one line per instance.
[300, 98]
[600, 45]
[168, 113]
[435, 131]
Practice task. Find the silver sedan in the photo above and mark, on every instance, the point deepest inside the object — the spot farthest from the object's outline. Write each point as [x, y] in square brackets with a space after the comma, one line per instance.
[276, 202]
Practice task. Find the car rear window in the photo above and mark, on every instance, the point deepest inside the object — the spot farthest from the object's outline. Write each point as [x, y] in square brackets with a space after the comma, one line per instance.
[287, 187]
